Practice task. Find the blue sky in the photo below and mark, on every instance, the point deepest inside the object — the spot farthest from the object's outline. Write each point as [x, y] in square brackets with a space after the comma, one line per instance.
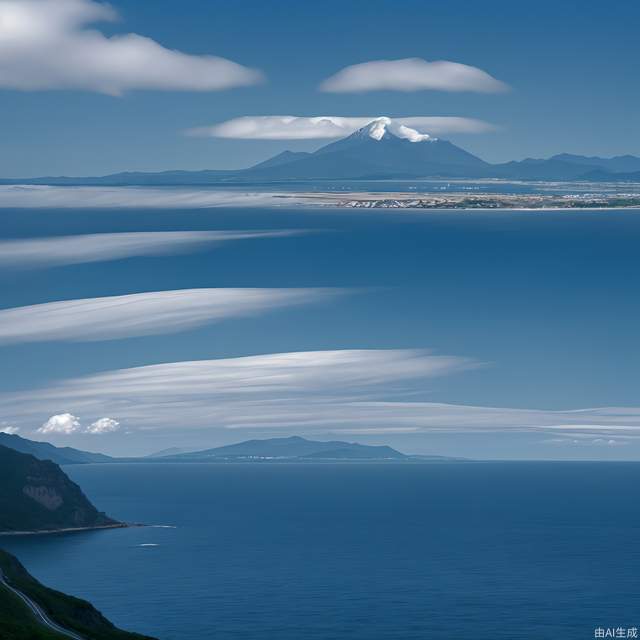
[571, 67]
[135, 319]
[485, 313]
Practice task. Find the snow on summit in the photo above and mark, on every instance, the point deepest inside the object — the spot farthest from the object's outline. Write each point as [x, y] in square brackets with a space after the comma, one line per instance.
[377, 129]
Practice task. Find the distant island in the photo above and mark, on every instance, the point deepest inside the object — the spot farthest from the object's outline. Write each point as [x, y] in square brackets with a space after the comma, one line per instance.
[291, 448]
[286, 449]
[374, 153]
[296, 449]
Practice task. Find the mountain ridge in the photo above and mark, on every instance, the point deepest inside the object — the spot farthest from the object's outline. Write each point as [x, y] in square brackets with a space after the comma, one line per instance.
[380, 150]
[299, 448]
[292, 448]
[369, 152]
[47, 451]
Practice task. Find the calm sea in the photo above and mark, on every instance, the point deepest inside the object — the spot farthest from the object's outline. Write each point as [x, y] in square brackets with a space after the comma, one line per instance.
[283, 551]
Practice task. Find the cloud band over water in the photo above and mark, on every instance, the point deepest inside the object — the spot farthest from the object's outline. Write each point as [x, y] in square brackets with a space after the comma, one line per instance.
[142, 314]
[343, 391]
[100, 247]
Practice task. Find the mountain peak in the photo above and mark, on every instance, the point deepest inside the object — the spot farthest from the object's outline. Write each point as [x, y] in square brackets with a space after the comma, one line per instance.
[382, 148]
[384, 127]
[375, 129]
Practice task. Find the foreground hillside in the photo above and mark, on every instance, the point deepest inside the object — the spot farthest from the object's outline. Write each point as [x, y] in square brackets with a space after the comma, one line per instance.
[36, 495]
[18, 623]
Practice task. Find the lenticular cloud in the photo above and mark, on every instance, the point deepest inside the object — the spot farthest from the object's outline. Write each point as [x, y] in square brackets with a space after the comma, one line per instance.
[354, 391]
[325, 127]
[46, 44]
[142, 314]
[412, 74]
[100, 247]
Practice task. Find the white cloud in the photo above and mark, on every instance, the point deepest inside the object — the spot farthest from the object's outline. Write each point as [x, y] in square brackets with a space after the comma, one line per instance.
[447, 124]
[51, 197]
[147, 313]
[412, 74]
[47, 44]
[103, 425]
[99, 247]
[62, 423]
[345, 392]
[323, 127]
[585, 440]
[299, 389]
[9, 430]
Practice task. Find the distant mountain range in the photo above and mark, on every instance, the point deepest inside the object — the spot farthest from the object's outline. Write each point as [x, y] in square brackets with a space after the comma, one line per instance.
[46, 451]
[171, 451]
[566, 166]
[374, 152]
[289, 448]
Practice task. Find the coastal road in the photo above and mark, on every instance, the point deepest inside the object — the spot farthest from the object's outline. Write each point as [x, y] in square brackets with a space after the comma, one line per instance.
[37, 611]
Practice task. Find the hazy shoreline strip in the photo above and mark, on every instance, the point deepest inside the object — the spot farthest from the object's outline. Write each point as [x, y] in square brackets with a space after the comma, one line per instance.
[132, 197]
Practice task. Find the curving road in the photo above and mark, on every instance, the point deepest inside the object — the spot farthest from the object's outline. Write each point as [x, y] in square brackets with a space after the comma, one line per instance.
[37, 611]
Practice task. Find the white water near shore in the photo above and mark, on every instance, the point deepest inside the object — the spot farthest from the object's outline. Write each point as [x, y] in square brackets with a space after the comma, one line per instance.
[119, 525]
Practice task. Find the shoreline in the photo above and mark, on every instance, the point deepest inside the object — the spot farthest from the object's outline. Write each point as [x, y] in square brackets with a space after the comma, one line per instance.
[213, 197]
[118, 525]
[634, 207]
[456, 201]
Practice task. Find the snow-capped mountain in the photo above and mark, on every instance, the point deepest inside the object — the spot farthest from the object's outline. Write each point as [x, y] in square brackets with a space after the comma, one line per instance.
[382, 148]
[382, 126]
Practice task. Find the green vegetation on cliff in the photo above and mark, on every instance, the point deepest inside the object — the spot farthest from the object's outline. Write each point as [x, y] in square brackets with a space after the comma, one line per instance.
[36, 495]
[18, 623]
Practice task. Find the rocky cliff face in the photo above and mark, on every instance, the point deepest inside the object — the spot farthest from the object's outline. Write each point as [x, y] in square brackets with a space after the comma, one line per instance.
[36, 495]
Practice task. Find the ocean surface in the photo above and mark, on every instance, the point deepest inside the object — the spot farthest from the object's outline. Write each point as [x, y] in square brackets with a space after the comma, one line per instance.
[364, 551]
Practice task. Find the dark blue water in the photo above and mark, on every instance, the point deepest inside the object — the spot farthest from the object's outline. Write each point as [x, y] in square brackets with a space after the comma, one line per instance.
[487, 550]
